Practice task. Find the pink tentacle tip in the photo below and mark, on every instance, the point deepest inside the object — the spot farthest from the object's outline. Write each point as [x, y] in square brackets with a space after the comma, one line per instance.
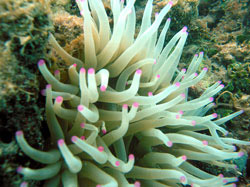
[43, 92]
[201, 53]
[150, 93]
[183, 95]
[73, 138]
[242, 111]
[56, 72]
[211, 99]
[82, 137]
[74, 65]
[91, 71]
[235, 167]
[135, 104]
[184, 157]
[131, 157]
[219, 82]
[117, 163]
[48, 86]
[154, 61]
[215, 115]
[181, 112]
[184, 70]
[60, 142]
[225, 181]
[170, 3]
[137, 184]
[169, 144]
[98, 185]
[222, 85]
[139, 71]
[82, 125]
[158, 76]
[205, 143]
[103, 88]
[59, 99]
[41, 62]
[240, 154]
[104, 131]
[19, 133]
[19, 169]
[182, 179]
[177, 116]
[221, 175]
[234, 185]
[193, 123]
[156, 14]
[205, 69]
[82, 12]
[196, 55]
[82, 70]
[169, 19]
[184, 29]
[177, 84]
[195, 74]
[80, 108]
[24, 184]
[125, 106]
[100, 148]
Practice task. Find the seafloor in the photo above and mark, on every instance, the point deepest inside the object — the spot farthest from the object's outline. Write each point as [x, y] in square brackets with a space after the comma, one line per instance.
[220, 28]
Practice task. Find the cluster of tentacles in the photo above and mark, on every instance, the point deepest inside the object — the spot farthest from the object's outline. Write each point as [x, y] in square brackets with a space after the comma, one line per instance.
[123, 118]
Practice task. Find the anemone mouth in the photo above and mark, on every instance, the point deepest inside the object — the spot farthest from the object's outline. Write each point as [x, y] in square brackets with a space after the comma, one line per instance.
[123, 118]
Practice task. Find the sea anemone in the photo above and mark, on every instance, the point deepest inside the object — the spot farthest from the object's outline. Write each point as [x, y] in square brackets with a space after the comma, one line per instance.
[124, 118]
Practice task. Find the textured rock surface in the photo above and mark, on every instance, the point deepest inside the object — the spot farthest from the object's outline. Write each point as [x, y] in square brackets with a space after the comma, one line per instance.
[24, 27]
